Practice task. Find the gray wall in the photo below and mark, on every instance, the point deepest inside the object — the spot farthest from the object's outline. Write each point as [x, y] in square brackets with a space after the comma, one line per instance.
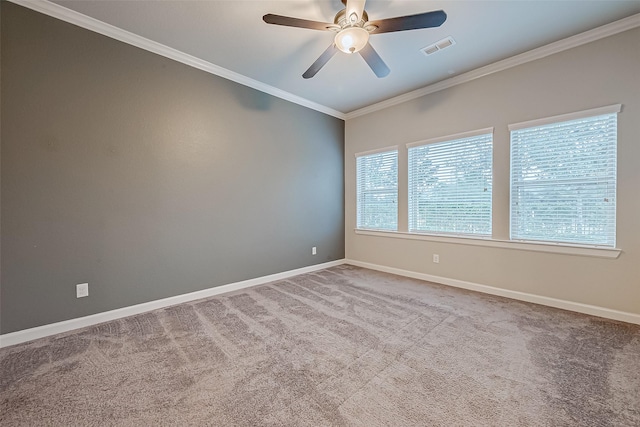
[147, 178]
[597, 74]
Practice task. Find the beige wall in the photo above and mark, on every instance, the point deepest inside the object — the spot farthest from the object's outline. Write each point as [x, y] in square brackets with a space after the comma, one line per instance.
[597, 74]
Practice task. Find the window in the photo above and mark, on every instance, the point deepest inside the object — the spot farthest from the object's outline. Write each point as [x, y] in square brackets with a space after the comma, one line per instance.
[563, 178]
[450, 184]
[377, 189]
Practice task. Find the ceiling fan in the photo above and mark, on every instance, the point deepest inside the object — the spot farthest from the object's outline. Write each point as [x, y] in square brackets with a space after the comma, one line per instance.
[352, 28]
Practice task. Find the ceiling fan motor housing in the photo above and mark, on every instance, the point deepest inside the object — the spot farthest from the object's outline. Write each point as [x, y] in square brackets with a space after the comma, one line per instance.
[353, 32]
[342, 21]
[352, 35]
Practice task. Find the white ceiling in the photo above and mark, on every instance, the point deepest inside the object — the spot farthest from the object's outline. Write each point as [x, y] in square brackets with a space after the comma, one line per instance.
[232, 35]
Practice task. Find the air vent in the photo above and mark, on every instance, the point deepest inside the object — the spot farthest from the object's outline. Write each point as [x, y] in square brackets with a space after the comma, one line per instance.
[431, 49]
[438, 46]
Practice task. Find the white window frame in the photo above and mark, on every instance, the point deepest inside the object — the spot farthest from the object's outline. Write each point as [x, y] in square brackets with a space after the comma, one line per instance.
[608, 110]
[459, 137]
[359, 196]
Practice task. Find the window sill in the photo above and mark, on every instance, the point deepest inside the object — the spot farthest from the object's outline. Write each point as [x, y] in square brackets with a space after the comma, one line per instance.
[556, 248]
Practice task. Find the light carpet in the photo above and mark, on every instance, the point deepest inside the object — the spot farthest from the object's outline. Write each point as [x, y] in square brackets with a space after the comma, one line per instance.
[343, 346]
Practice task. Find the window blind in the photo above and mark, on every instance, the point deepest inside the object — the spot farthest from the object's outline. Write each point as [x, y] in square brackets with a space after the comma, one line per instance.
[450, 186]
[377, 190]
[563, 181]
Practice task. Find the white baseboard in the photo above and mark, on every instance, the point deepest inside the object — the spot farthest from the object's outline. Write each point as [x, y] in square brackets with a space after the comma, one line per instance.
[516, 295]
[18, 337]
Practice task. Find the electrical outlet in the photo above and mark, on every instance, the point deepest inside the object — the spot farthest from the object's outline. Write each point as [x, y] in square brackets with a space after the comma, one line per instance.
[313, 250]
[82, 290]
[436, 258]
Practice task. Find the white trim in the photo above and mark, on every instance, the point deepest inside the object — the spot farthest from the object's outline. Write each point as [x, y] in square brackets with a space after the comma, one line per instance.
[55, 10]
[554, 248]
[377, 150]
[607, 30]
[18, 337]
[67, 15]
[592, 310]
[609, 109]
[454, 137]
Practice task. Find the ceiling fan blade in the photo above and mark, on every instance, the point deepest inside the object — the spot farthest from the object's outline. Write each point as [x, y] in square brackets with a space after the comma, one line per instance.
[321, 61]
[354, 7]
[409, 22]
[295, 22]
[376, 63]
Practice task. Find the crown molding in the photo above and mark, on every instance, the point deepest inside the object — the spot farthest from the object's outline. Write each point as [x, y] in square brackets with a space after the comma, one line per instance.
[62, 13]
[67, 15]
[598, 33]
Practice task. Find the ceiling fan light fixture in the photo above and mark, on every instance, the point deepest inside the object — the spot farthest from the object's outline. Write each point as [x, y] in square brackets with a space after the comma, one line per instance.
[352, 39]
[353, 27]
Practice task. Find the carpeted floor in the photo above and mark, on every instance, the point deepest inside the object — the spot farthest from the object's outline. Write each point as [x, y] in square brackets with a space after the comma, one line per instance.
[342, 346]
